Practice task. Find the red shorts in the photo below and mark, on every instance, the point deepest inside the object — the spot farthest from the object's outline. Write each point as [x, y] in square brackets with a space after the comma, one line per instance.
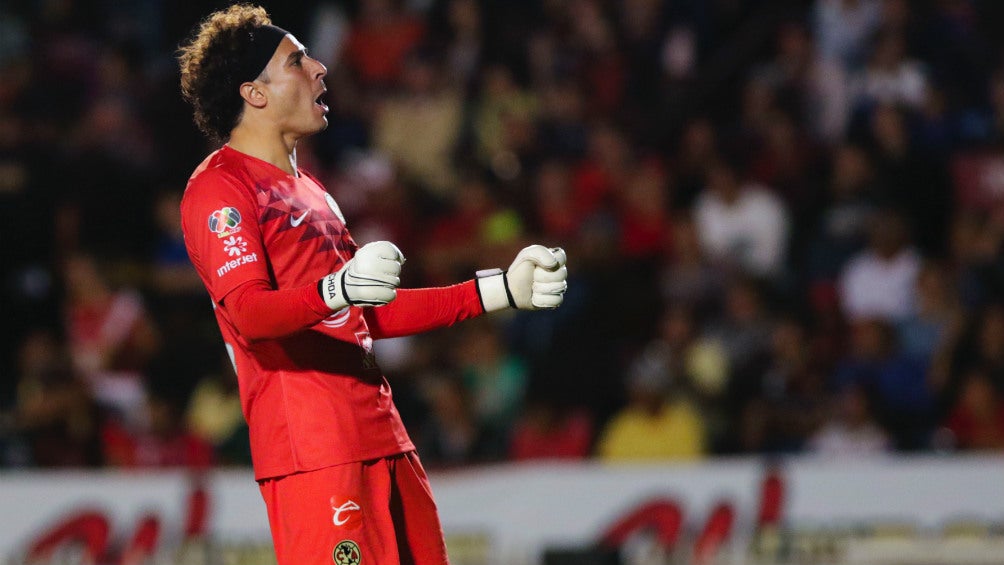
[377, 512]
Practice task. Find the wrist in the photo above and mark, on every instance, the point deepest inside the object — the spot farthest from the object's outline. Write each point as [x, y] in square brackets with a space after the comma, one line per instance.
[493, 290]
[332, 291]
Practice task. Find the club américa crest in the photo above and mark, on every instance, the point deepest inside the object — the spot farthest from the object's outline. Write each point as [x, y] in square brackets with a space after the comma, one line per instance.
[347, 553]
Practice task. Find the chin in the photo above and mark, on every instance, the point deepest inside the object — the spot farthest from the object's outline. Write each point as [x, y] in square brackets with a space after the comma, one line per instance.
[316, 127]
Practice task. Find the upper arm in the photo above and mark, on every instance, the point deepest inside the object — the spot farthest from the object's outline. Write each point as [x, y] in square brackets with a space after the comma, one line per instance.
[219, 219]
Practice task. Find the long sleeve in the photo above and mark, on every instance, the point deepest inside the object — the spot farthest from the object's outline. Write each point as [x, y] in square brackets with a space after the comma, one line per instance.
[259, 312]
[423, 309]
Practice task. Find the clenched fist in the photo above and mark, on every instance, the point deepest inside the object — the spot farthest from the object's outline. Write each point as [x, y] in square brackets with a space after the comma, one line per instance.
[370, 278]
[536, 280]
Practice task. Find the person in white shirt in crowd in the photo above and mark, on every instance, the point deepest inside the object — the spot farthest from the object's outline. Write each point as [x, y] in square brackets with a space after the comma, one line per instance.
[879, 281]
[741, 225]
[890, 77]
[851, 430]
[843, 28]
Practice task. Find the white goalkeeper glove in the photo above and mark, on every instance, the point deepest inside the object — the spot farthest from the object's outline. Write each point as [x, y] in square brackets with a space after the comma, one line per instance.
[370, 278]
[536, 280]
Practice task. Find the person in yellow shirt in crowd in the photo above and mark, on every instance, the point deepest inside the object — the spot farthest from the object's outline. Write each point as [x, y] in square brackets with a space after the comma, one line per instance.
[658, 423]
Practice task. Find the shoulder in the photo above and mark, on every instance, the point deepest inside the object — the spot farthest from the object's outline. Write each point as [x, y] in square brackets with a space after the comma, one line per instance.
[217, 176]
[220, 193]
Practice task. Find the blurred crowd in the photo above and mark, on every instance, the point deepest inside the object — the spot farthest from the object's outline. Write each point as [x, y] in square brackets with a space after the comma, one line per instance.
[784, 223]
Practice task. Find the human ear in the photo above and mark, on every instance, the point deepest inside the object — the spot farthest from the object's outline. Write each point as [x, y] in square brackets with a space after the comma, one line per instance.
[253, 95]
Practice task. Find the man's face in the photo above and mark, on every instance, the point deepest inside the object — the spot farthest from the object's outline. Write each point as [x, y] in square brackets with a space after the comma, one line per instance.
[295, 87]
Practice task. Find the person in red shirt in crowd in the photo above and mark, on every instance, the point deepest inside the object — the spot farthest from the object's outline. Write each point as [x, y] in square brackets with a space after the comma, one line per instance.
[299, 305]
[549, 431]
[162, 442]
[976, 421]
[379, 41]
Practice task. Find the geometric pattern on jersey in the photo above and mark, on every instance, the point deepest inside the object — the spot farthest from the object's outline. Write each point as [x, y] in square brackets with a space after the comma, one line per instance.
[318, 223]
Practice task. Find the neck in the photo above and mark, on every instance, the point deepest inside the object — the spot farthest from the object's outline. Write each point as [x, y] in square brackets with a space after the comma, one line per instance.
[267, 145]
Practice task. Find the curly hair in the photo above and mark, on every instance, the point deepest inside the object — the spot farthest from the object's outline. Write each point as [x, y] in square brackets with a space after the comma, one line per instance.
[209, 81]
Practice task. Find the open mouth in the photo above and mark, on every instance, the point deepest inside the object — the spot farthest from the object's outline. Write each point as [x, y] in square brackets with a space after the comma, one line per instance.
[319, 101]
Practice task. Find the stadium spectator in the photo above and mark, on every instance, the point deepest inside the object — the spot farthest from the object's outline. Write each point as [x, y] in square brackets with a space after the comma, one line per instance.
[160, 441]
[742, 226]
[786, 161]
[952, 44]
[975, 238]
[562, 130]
[977, 419]
[811, 87]
[495, 379]
[553, 211]
[985, 348]
[473, 225]
[879, 281]
[657, 423]
[108, 328]
[502, 120]
[790, 404]
[689, 163]
[889, 77]
[369, 187]
[701, 364]
[603, 173]
[380, 38]
[643, 213]
[931, 333]
[851, 429]
[547, 431]
[843, 28]
[686, 276]
[903, 395]
[909, 180]
[983, 122]
[55, 421]
[173, 273]
[418, 125]
[111, 336]
[579, 122]
[839, 229]
[462, 41]
[452, 435]
[213, 414]
[743, 332]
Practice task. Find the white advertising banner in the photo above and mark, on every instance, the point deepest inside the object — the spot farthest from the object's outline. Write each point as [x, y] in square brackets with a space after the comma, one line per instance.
[895, 510]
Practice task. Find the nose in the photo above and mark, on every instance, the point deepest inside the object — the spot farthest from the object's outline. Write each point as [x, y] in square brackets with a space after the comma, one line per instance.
[321, 70]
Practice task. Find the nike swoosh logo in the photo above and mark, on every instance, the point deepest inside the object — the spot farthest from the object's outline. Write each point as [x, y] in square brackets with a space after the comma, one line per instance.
[297, 221]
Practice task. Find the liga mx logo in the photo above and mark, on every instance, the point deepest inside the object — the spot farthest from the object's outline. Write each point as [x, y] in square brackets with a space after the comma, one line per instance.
[225, 221]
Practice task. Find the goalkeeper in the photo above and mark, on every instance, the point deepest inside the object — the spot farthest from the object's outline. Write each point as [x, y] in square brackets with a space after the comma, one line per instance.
[299, 305]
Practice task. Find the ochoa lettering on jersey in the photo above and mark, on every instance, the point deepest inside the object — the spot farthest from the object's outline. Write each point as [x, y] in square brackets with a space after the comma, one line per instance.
[332, 291]
[234, 263]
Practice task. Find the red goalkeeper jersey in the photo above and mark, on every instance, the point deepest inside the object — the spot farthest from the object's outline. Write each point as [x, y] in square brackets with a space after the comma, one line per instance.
[310, 387]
